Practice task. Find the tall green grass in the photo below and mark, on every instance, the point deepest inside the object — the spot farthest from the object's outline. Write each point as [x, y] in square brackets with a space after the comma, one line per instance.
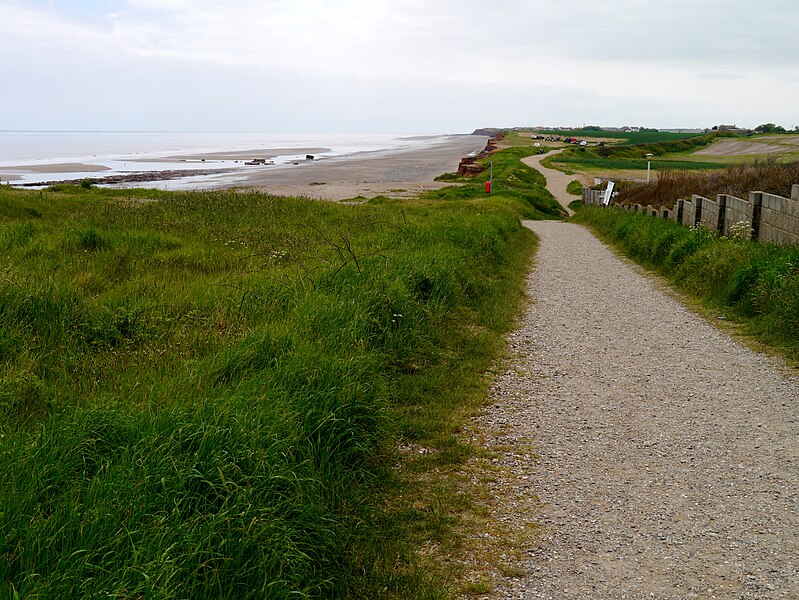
[757, 284]
[202, 394]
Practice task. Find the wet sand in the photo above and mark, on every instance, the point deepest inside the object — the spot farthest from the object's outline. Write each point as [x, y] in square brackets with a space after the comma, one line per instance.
[54, 168]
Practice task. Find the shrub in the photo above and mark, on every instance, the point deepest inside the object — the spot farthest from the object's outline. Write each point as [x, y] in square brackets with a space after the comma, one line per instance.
[736, 180]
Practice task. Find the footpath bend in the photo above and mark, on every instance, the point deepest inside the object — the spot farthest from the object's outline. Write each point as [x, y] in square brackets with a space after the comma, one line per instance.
[557, 181]
[655, 456]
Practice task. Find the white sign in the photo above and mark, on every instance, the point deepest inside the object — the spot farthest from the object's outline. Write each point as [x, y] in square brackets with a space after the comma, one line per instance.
[608, 193]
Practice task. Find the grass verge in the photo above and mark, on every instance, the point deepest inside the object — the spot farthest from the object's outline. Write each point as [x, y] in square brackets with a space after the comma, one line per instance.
[575, 188]
[755, 284]
[215, 395]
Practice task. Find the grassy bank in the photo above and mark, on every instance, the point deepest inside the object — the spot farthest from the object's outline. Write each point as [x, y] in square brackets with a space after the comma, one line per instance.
[208, 395]
[515, 185]
[756, 284]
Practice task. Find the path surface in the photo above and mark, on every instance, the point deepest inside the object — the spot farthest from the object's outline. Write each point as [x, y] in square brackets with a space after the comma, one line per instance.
[556, 180]
[664, 455]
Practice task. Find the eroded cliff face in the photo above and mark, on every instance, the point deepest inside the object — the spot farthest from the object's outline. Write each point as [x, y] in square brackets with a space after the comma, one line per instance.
[468, 166]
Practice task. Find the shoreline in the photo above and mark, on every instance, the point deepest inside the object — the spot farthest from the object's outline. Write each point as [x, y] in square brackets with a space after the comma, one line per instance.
[397, 172]
[250, 154]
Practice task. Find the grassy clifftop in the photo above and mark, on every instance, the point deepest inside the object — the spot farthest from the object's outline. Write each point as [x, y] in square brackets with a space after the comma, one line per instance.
[204, 394]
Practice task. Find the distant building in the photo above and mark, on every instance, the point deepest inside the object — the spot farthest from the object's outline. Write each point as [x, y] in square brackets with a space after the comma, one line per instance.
[684, 130]
[731, 129]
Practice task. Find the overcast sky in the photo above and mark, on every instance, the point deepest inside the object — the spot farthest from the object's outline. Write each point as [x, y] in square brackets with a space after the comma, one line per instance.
[395, 65]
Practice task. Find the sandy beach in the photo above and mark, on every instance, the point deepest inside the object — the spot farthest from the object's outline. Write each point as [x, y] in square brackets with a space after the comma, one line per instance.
[393, 173]
[14, 173]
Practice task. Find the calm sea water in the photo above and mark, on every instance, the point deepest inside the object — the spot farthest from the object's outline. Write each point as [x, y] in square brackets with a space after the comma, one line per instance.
[121, 151]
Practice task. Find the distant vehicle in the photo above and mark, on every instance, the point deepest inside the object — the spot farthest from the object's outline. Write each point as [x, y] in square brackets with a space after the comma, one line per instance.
[583, 143]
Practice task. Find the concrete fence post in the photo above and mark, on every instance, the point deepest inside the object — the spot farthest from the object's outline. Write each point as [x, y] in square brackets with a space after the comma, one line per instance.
[756, 200]
[722, 200]
[795, 192]
[697, 200]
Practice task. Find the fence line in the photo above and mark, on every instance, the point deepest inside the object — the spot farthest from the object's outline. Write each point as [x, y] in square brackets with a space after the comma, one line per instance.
[763, 217]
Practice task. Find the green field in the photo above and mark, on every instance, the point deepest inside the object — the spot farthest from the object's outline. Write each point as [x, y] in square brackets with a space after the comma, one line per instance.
[673, 154]
[205, 395]
[630, 164]
[626, 137]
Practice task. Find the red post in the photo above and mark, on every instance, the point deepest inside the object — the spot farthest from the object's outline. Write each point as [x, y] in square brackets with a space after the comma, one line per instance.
[488, 187]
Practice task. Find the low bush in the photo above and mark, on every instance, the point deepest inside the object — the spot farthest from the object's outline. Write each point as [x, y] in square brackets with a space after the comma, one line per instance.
[575, 188]
[737, 180]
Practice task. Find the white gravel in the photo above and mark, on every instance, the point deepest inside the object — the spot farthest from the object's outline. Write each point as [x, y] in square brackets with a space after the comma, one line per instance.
[666, 454]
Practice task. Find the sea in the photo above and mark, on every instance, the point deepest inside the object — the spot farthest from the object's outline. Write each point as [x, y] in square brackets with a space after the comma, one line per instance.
[30, 157]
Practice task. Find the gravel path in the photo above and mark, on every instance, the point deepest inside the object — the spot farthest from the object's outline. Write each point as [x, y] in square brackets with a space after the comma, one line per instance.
[665, 455]
[557, 181]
